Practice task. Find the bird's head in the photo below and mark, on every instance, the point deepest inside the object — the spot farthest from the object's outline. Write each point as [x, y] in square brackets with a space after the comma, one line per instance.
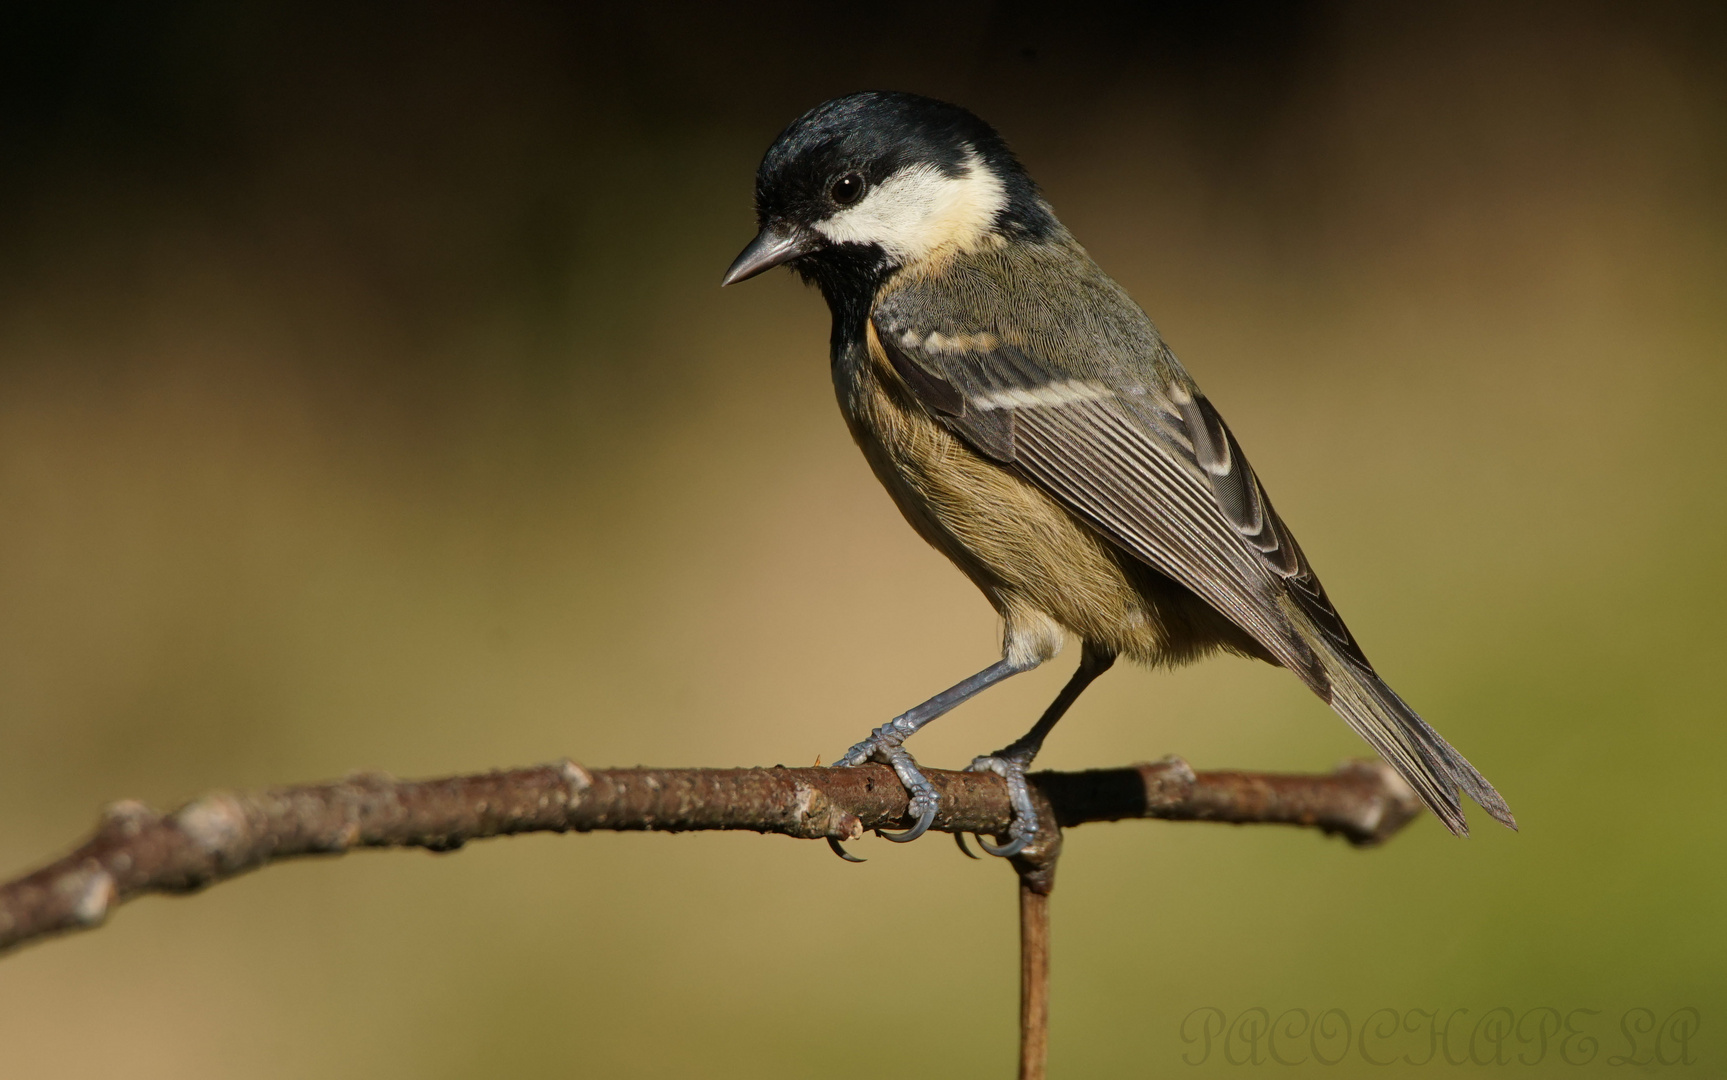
[865, 185]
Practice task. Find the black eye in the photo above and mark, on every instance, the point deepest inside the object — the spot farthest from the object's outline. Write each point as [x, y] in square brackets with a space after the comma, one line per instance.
[847, 189]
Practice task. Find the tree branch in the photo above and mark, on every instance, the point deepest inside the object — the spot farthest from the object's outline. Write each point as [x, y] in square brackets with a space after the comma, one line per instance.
[135, 850]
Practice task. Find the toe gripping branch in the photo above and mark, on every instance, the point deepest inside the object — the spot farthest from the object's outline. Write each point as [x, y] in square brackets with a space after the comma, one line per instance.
[886, 746]
[1028, 818]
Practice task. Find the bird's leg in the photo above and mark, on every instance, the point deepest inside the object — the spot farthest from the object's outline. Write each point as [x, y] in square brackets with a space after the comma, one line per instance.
[1011, 761]
[884, 743]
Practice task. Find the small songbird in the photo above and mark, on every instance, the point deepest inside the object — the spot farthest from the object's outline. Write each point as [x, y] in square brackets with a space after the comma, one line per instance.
[1030, 423]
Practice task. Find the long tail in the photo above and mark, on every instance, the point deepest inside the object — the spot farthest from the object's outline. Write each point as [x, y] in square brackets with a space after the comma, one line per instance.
[1431, 765]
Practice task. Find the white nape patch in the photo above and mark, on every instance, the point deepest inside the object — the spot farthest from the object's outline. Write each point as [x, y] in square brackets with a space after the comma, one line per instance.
[1049, 394]
[919, 212]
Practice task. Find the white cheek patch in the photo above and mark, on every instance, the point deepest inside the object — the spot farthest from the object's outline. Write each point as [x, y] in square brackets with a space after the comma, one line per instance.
[919, 212]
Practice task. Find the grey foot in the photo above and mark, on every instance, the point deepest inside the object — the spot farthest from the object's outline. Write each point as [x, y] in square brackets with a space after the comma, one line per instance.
[883, 745]
[1024, 828]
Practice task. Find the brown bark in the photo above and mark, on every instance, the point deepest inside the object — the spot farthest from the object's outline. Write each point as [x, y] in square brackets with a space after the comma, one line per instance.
[135, 850]
[1033, 981]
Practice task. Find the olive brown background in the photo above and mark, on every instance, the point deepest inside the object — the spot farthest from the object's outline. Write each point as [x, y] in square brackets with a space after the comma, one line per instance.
[367, 401]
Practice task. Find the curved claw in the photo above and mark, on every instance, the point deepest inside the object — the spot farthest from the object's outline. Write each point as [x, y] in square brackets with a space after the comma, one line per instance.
[959, 838]
[842, 852]
[1008, 850]
[924, 821]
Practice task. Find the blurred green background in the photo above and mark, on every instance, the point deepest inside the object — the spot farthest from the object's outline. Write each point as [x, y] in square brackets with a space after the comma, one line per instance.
[367, 401]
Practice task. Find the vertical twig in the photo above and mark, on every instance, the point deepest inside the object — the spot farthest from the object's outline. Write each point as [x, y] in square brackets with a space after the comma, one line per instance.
[1033, 980]
[1036, 869]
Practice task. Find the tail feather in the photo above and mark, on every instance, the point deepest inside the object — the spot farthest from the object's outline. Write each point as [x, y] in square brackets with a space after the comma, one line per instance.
[1469, 778]
[1421, 755]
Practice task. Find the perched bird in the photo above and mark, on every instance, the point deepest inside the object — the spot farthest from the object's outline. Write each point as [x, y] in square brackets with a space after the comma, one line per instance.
[1030, 423]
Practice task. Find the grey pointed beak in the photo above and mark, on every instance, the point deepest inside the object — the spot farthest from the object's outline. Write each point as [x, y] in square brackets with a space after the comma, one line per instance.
[773, 246]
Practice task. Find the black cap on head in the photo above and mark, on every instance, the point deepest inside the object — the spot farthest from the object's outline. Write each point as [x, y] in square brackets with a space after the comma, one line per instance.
[876, 134]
